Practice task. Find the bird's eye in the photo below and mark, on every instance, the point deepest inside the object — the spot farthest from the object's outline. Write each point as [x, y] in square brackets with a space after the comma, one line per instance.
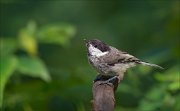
[95, 46]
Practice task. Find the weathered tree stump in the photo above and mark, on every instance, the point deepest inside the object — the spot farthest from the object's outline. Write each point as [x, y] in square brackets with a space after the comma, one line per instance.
[103, 95]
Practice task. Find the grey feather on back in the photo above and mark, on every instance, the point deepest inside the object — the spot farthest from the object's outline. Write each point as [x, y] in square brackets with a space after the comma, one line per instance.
[117, 56]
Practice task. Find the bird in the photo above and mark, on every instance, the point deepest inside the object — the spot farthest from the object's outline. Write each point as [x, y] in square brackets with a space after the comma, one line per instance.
[109, 61]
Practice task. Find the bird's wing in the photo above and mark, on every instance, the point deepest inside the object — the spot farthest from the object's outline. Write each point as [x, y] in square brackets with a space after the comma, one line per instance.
[117, 56]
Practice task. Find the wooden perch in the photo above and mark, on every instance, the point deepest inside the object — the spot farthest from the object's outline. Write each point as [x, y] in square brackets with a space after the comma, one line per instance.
[103, 95]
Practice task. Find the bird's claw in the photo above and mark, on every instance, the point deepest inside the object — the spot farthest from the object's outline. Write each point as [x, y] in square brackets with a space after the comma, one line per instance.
[109, 81]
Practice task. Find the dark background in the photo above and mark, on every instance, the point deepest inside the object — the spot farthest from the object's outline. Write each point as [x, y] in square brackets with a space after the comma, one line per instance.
[147, 29]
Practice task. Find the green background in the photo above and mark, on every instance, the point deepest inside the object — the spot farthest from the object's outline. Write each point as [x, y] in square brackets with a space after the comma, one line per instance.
[44, 65]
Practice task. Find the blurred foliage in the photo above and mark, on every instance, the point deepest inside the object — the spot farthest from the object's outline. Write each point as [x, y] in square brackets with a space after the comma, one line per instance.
[46, 49]
[13, 59]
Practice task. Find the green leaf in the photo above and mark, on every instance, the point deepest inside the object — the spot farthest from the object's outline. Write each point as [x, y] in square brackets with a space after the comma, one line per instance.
[174, 86]
[28, 42]
[33, 67]
[27, 38]
[170, 75]
[7, 67]
[56, 34]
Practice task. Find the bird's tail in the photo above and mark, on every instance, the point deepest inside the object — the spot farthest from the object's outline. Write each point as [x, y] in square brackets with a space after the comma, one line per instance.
[152, 65]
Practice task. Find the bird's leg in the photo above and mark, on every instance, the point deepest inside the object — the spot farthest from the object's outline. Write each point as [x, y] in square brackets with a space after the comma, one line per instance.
[109, 80]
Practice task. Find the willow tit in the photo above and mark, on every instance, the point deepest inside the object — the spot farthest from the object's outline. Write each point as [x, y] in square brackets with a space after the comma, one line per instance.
[109, 61]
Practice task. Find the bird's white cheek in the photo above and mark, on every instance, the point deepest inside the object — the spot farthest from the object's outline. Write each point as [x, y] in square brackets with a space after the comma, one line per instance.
[102, 54]
[96, 52]
[99, 54]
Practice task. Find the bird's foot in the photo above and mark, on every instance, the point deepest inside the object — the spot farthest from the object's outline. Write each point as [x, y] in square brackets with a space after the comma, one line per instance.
[110, 81]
